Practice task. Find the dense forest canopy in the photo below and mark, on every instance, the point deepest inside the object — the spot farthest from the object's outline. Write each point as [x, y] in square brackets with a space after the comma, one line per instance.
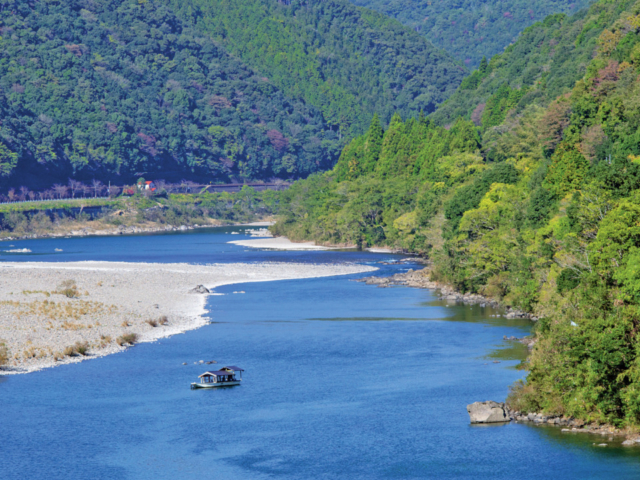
[114, 88]
[471, 29]
[347, 61]
[534, 202]
[546, 61]
[118, 87]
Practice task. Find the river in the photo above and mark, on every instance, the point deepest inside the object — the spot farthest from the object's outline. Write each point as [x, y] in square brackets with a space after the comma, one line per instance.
[342, 380]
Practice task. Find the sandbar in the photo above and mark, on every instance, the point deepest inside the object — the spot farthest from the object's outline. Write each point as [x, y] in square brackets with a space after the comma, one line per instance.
[37, 322]
[280, 243]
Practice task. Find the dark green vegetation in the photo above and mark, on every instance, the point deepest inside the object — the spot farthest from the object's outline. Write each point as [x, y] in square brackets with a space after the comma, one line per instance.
[471, 29]
[107, 89]
[537, 207]
[207, 208]
[99, 89]
[546, 61]
[346, 61]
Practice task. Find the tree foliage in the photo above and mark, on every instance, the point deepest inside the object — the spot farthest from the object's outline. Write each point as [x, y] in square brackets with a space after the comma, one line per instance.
[545, 62]
[348, 62]
[221, 91]
[471, 29]
[536, 206]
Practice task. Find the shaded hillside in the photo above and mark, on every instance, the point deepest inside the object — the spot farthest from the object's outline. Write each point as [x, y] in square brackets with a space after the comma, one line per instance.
[114, 88]
[540, 213]
[346, 61]
[546, 61]
[117, 88]
[471, 29]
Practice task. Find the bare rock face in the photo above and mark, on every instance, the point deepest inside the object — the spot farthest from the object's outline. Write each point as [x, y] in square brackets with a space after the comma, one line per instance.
[488, 412]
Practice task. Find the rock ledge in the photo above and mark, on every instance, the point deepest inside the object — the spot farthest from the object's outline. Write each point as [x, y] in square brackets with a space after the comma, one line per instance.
[488, 412]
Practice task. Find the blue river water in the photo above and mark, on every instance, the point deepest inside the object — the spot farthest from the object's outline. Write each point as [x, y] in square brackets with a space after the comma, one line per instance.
[342, 381]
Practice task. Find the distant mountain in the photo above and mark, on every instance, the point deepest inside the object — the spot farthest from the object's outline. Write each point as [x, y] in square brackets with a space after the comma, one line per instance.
[545, 62]
[347, 61]
[471, 29]
[114, 88]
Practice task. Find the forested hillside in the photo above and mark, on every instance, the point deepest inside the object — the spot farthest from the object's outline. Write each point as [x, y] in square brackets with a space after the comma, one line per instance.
[546, 61]
[346, 61]
[114, 88]
[538, 208]
[471, 29]
[121, 87]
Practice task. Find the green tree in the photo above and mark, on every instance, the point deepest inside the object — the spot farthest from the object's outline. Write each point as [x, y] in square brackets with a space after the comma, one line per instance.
[567, 170]
[373, 145]
[8, 160]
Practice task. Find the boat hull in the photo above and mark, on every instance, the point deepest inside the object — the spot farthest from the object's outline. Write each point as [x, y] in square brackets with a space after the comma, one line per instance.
[195, 386]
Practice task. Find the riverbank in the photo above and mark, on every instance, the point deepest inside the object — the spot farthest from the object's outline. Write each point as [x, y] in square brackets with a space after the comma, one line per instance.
[102, 230]
[51, 312]
[280, 243]
[105, 231]
[283, 243]
[136, 214]
[567, 424]
[421, 279]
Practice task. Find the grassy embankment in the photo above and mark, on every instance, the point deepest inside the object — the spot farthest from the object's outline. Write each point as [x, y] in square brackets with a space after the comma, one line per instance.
[95, 215]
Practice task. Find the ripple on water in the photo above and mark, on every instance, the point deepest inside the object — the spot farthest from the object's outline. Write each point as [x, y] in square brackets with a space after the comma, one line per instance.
[343, 380]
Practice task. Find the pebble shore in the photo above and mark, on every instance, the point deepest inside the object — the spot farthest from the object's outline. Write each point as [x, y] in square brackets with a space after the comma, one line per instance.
[574, 425]
[279, 243]
[38, 321]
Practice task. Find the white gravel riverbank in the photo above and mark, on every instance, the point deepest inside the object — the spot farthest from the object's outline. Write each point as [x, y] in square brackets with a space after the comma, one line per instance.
[280, 243]
[37, 323]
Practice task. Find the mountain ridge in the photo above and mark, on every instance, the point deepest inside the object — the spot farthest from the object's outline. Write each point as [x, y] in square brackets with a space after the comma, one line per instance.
[472, 29]
[118, 88]
[347, 61]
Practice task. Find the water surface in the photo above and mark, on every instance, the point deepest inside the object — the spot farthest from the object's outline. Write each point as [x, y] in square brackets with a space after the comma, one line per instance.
[342, 380]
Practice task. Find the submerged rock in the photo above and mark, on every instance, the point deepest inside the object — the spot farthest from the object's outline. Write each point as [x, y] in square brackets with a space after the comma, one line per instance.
[488, 412]
[200, 289]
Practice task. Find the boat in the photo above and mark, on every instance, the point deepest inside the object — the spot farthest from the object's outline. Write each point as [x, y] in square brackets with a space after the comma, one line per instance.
[225, 377]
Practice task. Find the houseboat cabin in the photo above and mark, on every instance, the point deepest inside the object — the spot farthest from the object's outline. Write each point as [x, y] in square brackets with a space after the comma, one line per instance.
[225, 377]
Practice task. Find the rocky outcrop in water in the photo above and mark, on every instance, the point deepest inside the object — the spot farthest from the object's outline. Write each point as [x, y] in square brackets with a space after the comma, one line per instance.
[488, 412]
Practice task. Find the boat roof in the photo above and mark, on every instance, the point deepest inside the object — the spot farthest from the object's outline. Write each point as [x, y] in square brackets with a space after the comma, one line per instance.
[234, 368]
[217, 372]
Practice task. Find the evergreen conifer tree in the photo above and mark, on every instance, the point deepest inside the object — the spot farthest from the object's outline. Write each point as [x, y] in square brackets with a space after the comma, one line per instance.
[483, 68]
[464, 137]
[395, 119]
[373, 144]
